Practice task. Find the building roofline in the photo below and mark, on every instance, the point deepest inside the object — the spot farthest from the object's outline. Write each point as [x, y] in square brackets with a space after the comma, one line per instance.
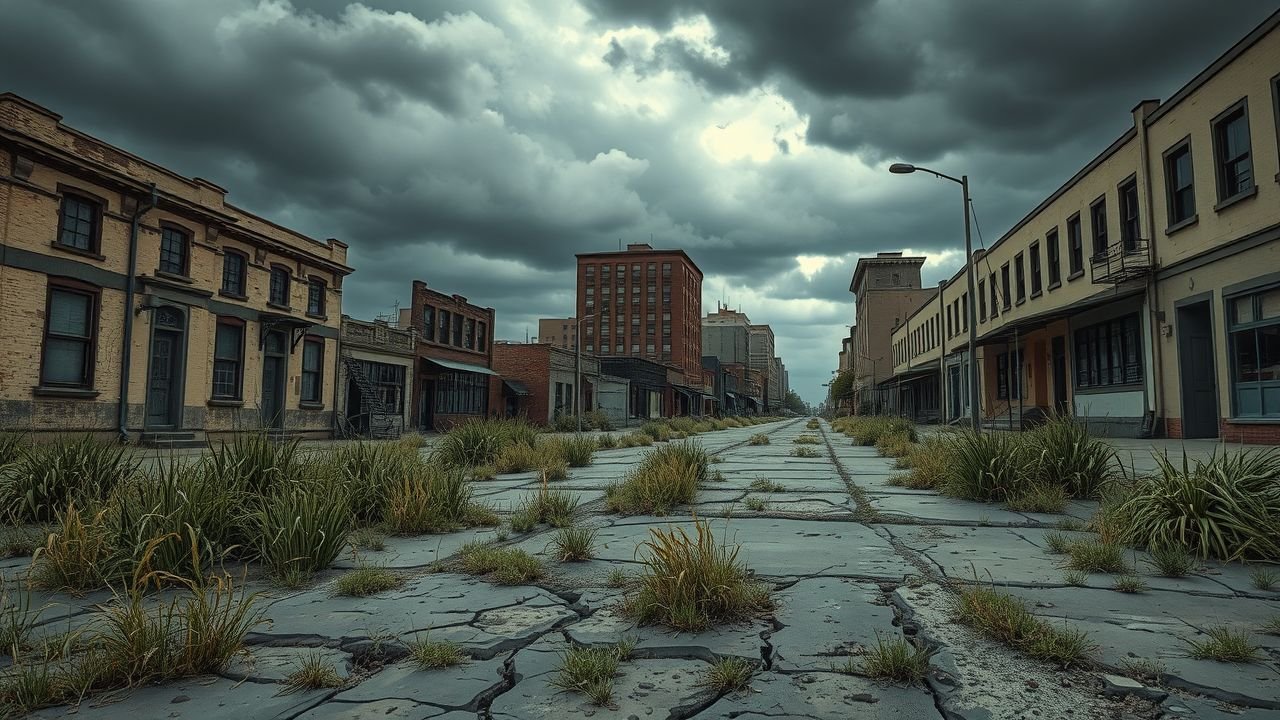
[860, 267]
[642, 253]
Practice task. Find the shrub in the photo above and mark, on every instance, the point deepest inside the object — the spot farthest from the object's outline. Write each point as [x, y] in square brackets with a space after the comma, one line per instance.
[728, 674]
[606, 441]
[665, 477]
[1065, 455]
[659, 431]
[1038, 498]
[574, 544]
[314, 672]
[366, 581]
[804, 452]
[430, 499]
[1225, 645]
[635, 439]
[1006, 618]
[42, 480]
[301, 528]
[1226, 507]
[599, 420]
[758, 439]
[896, 660]
[693, 583]
[507, 566]
[895, 445]
[428, 655]
[78, 554]
[984, 466]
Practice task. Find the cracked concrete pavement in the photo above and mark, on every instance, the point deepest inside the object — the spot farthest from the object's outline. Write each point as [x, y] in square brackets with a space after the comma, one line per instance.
[852, 559]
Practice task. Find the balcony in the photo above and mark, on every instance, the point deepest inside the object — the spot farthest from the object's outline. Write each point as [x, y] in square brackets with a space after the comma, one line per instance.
[1121, 262]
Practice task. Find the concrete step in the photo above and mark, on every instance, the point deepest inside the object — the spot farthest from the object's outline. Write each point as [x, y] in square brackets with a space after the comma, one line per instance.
[172, 440]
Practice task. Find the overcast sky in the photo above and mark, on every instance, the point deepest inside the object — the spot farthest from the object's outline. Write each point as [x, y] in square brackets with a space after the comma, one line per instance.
[479, 145]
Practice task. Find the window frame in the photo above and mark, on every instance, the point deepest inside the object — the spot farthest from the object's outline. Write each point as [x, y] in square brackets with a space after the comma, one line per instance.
[243, 277]
[1216, 135]
[318, 372]
[167, 231]
[97, 207]
[1234, 329]
[1174, 223]
[1129, 244]
[1275, 107]
[288, 286]
[995, 300]
[982, 300]
[456, 337]
[238, 395]
[1053, 257]
[1098, 230]
[445, 319]
[94, 294]
[1006, 302]
[1020, 278]
[1037, 279]
[1122, 365]
[314, 281]
[1075, 247]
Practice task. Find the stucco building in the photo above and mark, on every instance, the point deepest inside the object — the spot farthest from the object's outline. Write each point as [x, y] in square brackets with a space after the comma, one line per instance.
[886, 291]
[138, 302]
[561, 332]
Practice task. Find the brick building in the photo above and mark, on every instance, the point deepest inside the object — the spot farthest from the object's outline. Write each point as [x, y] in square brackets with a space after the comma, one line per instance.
[541, 379]
[139, 302]
[454, 376]
[643, 303]
[561, 332]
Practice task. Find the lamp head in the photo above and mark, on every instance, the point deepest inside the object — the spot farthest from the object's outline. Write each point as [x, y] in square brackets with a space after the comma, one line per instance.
[902, 168]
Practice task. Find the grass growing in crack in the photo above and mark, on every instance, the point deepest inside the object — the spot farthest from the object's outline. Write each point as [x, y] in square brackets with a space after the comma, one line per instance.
[1272, 626]
[804, 452]
[728, 674]
[894, 445]
[1097, 556]
[1225, 645]
[618, 579]
[1058, 543]
[635, 439]
[553, 507]
[78, 554]
[574, 544]
[366, 581]
[895, 659]
[1038, 498]
[1006, 618]
[813, 424]
[1129, 584]
[766, 485]
[314, 672]
[430, 655]
[1075, 578]
[607, 441]
[755, 504]
[927, 463]
[590, 671]
[16, 619]
[1264, 578]
[807, 440]
[691, 583]
[367, 538]
[665, 477]
[758, 439]
[1144, 668]
[1172, 560]
[507, 566]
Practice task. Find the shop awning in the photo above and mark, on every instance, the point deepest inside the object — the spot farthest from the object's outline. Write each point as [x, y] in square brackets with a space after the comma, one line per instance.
[460, 367]
[516, 387]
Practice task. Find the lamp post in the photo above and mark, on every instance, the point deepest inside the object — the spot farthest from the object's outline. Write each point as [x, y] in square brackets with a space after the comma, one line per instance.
[577, 372]
[963, 182]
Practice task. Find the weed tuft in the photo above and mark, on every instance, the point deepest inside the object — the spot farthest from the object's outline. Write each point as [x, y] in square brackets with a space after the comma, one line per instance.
[1264, 578]
[728, 674]
[758, 439]
[1172, 560]
[507, 566]
[1225, 645]
[804, 452]
[574, 544]
[896, 660]
[1097, 556]
[366, 581]
[1129, 584]
[314, 672]
[431, 655]
[590, 671]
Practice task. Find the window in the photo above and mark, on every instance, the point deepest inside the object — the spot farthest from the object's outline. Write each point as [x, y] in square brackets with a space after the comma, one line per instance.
[79, 220]
[469, 334]
[1035, 269]
[173, 250]
[1254, 327]
[1008, 375]
[482, 335]
[315, 297]
[428, 322]
[1109, 353]
[1075, 247]
[1130, 228]
[1232, 156]
[445, 324]
[964, 311]
[388, 383]
[1055, 262]
[312, 370]
[1179, 181]
[994, 302]
[462, 393]
[1006, 298]
[457, 330]
[278, 292]
[1020, 278]
[228, 355]
[69, 337]
[1098, 224]
[950, 332]
[233, 273]
[982, 300]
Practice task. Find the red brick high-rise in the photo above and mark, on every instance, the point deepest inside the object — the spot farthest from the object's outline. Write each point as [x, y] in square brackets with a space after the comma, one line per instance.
[643, 303]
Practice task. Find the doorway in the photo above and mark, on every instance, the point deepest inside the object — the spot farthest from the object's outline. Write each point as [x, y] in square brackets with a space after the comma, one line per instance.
[427, 421]
[1198, 376]
[165, 369]
[1061, 404]
[275, 365]
[954, 392]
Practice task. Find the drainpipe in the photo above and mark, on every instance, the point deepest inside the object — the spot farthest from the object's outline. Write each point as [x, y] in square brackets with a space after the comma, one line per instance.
[1153, 291]
[129, 291]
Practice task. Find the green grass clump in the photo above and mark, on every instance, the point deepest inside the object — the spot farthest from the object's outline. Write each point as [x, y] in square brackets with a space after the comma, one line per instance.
[40, 480]
[1225, 645]
[867, 430]
[519, 457]
[665, 477]
[367, 538]
[618, 579]
[430, 499]
[16, 619]
[479, 442]
[507, 566]
[78, 554]
[755, 504]
[927, 465]
[1272, 626]
[366, 581]
[589, 671]
[691, 583]
[1264, 578]
[1059, 543]
[20, 541]
[1172, 560]
[1129, 584]
[807, 440]
[813, 424]
[804, 452]
[314, 672]
[300, 529]
[1005, 618]
[1097, 556]
[659, 431]
[1225, 507]
[758, 439]
[574, 544]
[607, 441]
[895, 660]
[1038, 498]
[431, 655]
[766, 485]
[1075, 578]
[986, 467]
[553, 507]
[368, 469]
[894, 445]
[728, 674]
[1064, 455]
[635, 439]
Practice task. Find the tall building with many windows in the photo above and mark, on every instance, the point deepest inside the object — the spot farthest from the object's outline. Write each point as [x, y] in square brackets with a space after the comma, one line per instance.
[642, 302]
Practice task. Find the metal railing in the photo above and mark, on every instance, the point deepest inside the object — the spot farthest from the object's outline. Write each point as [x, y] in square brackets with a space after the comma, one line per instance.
[1122, 261]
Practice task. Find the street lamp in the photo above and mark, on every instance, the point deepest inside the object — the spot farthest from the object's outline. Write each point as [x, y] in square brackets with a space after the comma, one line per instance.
[963, 182]
[577, 372]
